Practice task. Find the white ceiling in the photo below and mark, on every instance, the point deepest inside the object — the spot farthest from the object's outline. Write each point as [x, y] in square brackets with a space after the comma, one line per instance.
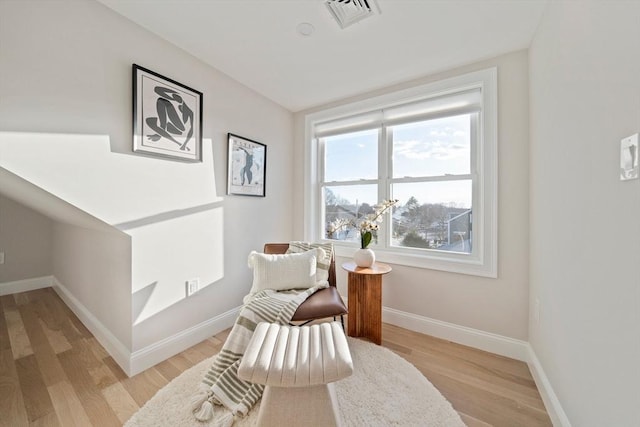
[256, 43]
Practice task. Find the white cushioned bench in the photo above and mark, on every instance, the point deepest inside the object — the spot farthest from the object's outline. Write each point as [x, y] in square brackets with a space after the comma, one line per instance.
[297, 364]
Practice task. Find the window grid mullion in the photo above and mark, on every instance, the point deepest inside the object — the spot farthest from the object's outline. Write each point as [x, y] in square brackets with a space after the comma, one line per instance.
[387, 173]
[439, 178]
[353, 182]
[320, 197]
[477, 197]
[321, 159]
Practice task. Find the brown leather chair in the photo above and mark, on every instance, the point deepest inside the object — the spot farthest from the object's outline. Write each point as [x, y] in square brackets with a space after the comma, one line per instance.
[323, 303]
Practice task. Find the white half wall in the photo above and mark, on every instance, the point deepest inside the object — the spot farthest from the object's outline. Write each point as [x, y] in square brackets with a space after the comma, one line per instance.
[94, 268]
[496, 306]
[585, 222]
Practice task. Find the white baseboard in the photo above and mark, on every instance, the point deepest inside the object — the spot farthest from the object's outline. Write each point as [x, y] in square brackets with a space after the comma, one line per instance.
[552, 404]
[114, 347]
[498, 344]
[157, 352]
[138, 361]
[16, 286]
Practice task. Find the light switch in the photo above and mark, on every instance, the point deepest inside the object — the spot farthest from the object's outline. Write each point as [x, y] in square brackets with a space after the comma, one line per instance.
[629, 158]
[192, 286]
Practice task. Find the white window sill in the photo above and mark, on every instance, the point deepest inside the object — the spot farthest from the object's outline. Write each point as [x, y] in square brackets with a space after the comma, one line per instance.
[449, 262]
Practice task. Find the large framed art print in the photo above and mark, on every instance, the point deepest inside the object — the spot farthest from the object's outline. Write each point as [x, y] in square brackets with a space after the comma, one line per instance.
[167, 117]
[247, 166]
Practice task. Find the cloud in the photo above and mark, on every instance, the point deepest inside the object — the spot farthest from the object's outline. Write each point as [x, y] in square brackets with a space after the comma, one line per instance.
[438, 133]
[437, 149]
[439, 139]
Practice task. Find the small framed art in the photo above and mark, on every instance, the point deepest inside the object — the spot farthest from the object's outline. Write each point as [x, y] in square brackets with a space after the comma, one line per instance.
[167, 117]
[247, 166]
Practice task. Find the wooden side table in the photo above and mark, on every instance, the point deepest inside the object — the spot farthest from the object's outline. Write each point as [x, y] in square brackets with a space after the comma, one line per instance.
[365, 300]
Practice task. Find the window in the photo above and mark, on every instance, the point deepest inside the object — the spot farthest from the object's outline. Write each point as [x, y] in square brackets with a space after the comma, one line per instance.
[434, 149]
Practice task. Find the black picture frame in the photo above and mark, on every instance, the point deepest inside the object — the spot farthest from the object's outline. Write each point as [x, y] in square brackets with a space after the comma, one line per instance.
[240, 180]
[167, 117]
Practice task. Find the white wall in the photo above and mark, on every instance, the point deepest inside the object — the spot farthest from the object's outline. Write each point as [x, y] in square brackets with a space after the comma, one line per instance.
[498, 306]
[25, 238]
[65, 125]
[585, 222]
[94, 266]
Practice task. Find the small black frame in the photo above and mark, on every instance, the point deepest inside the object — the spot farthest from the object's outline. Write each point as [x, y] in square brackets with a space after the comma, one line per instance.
[247, 166]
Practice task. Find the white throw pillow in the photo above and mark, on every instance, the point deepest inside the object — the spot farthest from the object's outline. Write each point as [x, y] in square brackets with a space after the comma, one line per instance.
[323, 262]
[283, 272]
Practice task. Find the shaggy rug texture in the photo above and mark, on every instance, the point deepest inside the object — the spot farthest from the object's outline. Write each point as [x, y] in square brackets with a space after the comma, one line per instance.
[384, 390]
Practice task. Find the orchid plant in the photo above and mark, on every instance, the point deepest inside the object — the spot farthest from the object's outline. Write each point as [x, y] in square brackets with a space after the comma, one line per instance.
[366, 226]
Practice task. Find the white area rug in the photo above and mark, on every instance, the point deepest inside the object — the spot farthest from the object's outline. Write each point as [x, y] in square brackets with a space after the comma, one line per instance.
[384, 390]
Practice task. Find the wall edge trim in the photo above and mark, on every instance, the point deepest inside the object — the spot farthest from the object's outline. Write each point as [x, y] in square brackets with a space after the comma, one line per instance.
[487, 341]
[161, 350]
[551, 402]
[24, 285]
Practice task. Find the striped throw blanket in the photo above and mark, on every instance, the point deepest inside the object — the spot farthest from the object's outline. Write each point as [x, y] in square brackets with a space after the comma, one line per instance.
[221, 385]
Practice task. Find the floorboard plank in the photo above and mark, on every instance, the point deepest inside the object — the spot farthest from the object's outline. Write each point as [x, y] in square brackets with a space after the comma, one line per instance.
[472, 422]
[56, 338]
[48, 362]
[193, 355]
[22, 298]
[97, 408]
[97, 348]
[5, 343]
[67, 405]
[167, 370]
[20, 344]
[48, 420]
[143, 386]
[180, 362]
[102, 376]
[100, 373]
[34, 391]
[121, 401]
[60, 318]
[208, 347]
[115, 369]
[43, 308]
[12, 405]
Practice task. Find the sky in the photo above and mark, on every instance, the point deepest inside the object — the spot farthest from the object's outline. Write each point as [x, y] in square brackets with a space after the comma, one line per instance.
[424, 149]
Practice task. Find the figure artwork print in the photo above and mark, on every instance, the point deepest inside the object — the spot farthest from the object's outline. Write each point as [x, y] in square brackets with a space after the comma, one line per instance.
[167, 117]
[247, 166]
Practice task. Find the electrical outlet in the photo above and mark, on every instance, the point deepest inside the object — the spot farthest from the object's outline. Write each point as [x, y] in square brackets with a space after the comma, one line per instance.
[192, 286]
[1, 257]
[536, 310]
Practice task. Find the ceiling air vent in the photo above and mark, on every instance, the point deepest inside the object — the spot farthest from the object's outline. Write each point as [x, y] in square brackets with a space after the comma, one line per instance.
[348, 12]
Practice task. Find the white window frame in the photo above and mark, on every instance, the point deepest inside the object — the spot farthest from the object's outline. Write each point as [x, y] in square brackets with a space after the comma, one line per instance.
[482, 262]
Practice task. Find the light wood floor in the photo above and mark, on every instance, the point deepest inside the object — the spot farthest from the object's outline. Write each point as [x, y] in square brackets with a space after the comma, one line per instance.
[53, 372]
